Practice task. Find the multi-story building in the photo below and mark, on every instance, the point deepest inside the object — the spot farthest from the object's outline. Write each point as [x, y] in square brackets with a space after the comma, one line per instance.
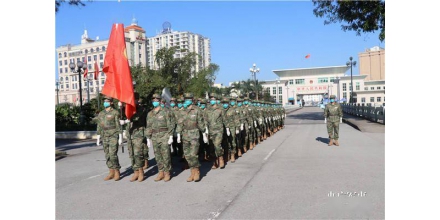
[372, 63]
[185, 41]
[90, 51]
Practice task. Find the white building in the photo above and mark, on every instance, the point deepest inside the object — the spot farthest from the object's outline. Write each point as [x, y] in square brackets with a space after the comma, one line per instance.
[185, 41]
[315, 84]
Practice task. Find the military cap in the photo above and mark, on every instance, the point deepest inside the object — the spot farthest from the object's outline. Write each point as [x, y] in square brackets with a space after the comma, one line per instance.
[246, 99]
[232, 98]
[180, 100]
[188, 95]
[239, 100]
[173, 99]
[225, 99]
[332, 96]
[241, 96]
[108, 98]
[156, 96]
[202, 101]
[213, 95]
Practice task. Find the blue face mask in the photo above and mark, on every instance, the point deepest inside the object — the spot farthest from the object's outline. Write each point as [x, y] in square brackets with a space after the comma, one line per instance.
[179, 105]
[155, 104]
[198, 103]
[232, 103]
[202, 106]
[218, 101]
[245, 102]
[172, 104]
[185, 105]
[225, 105]
[332, 100]
[213, 102]
[106, 104]
[162, 105]
[239, 104]
[188, 102]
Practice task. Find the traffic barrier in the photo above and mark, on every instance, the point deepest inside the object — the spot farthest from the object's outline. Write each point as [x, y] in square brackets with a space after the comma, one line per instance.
[371, 113]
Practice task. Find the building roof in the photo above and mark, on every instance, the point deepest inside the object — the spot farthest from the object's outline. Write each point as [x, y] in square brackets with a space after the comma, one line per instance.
[312, 71]
[135, 27]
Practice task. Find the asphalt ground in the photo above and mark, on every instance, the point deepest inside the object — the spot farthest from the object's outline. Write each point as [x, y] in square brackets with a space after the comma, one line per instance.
[292, 175]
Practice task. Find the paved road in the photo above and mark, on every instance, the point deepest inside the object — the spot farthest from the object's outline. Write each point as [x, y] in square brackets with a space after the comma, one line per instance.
[292, 175]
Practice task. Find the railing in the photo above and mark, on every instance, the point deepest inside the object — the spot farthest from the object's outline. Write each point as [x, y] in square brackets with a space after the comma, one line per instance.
[375, 114]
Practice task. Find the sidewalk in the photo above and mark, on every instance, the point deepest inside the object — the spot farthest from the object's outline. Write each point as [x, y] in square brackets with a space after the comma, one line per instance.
[363, 125]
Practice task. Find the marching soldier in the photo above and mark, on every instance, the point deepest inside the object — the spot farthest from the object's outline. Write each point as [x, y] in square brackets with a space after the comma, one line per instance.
[159, 134]
[135, 131]
[189, 129]
[204, 151]
[110, 130]
[333, 116]
[231, 123]
[215, 125]
[252, 122]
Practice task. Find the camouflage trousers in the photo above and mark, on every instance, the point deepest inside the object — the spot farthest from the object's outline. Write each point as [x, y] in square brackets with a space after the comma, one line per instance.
[191, 144]
[162, 151]
[215, 143]
[231, 141]
[258, 130]
[136, 152]
[333, 130]
[245, 135]
[145, 149]
[111, 146]
[251, 133]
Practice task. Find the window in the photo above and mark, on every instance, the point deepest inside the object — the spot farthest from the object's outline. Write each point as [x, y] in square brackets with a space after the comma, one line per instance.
[65, 54]
[344, 86]
[384, 89]
[299, 81]
[280, 99]
[62, 86]
[274, 90]
[101, 64]
[59, 55]
[372, 88]
[91, 83]
[140, 46]
[67, 86]
[95, 57]
[61, 70]
[332, 79]
[378, 99]
[60, 63]
[140, 56]
[91, 90]
[268, 90]
[349, 84]
[103, 48]
[378, 88]
[290, 81]
[89, 66]
[97, 49]
[102, 82]
[91, 50]
[363, 99]
[102, 73]
[323, 80]
[77, 60]
[101, 56]
[344, 95]
[280, 90]
[89, 58]
[366, 88]
[358, 86]
[65, 62]
[67, 78]
[66, 70]
[86, 51]
[371, 99]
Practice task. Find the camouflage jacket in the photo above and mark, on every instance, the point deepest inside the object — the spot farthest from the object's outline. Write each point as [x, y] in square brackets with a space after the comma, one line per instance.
[333, 112]
[191, 119]
[108, 123]
[136, 127]
[231, 119]
[214, 119]
[158, 121]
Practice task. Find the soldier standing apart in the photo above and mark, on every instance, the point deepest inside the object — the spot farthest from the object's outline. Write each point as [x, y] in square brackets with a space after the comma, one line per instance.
[159, 134]
[135, 139]
[333, 116]
[189, 129]
[110, 130]
[215, 126]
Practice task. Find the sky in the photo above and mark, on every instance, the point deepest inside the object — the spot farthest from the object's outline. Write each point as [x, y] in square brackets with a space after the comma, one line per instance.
[273, 35]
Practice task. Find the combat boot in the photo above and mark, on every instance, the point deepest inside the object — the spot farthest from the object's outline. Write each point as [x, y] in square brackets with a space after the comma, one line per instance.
[232, 158]
[336, 142]
[135, 176]
[245, 149]
[239, 152]
[196, 174]
[191, 177]
[251, 146]
[159, 177]
[110, 175]
[146, 165]
[167, 177]
[215, 164]
[221, 162]
[141, 175]
[330, 143]
[117, 175]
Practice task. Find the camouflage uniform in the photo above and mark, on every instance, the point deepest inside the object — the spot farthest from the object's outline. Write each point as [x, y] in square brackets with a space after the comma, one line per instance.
[108, 128]
[231, 122]
[135, 132]
[251, 119]
[159, 129]
[214, 122]
[333, 114]
[204, 150]
[243, 135]
[192, 123]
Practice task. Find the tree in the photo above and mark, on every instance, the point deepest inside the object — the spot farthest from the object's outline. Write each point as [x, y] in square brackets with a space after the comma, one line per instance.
[361, 16]
[71, 2]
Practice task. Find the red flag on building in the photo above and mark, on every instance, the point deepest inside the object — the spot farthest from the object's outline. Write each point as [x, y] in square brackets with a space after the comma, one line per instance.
[118, 83]
[96, 70]
[86, 71]
[308, 55]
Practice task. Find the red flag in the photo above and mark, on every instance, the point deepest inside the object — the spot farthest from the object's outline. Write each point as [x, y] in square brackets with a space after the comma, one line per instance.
[87, 69]
[119, 83]
[96, 70]
[308, 55]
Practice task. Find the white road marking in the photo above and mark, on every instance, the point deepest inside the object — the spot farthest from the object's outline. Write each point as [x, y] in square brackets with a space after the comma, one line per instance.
[270, 153]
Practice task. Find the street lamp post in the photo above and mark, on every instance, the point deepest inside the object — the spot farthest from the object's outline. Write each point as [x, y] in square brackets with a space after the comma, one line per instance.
[337, 82]
[351, 63]
[57, 89]
[287, 88]
[276, 98]
[80, 68]
[254, 70]
[87, 80]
